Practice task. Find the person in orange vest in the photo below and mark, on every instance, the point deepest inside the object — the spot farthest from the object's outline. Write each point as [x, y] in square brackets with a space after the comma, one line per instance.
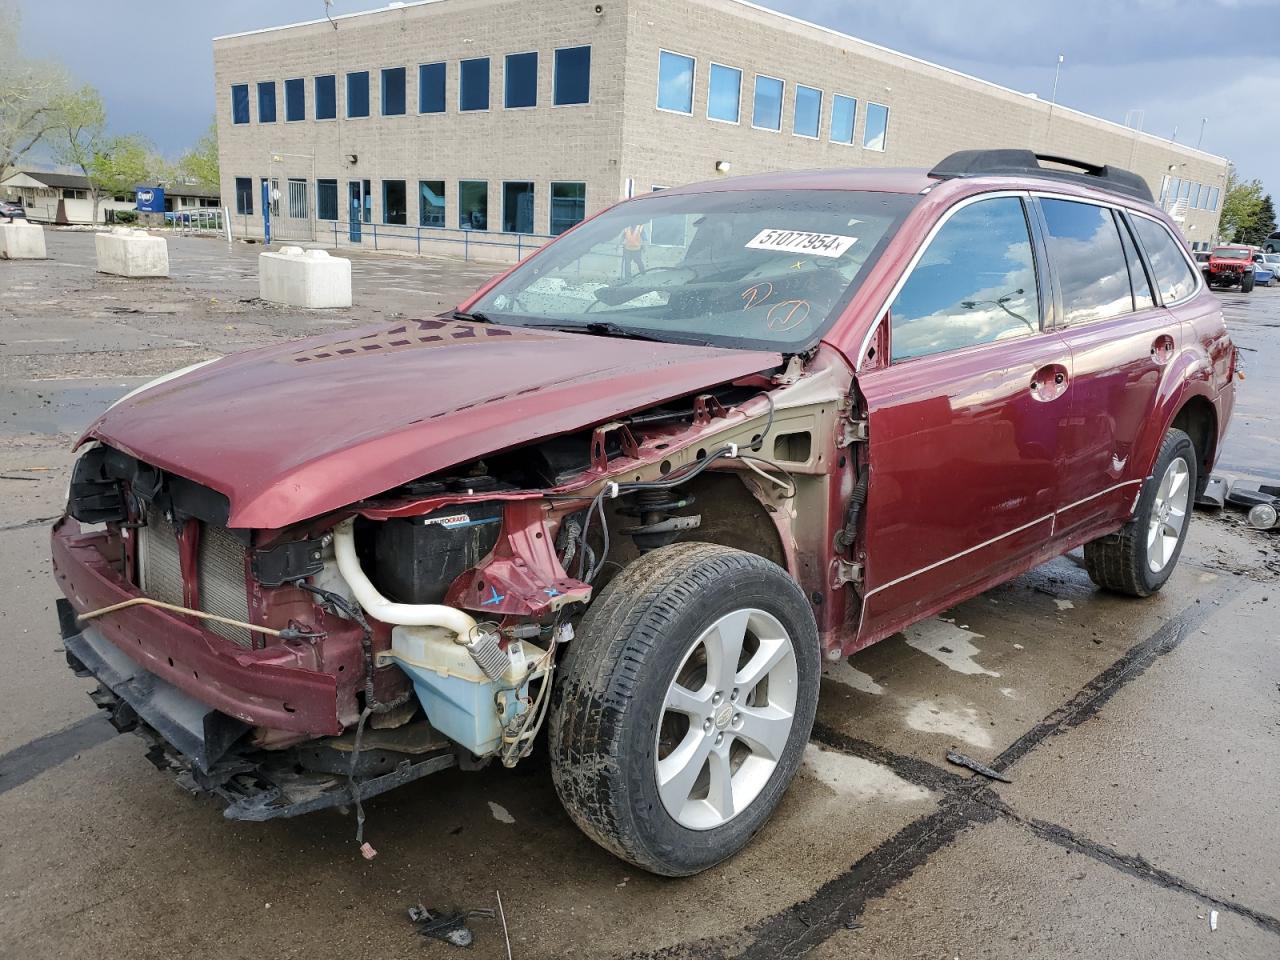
[632, 250]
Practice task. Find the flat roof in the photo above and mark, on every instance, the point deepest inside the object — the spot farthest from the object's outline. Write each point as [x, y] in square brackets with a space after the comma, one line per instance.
[831, 31]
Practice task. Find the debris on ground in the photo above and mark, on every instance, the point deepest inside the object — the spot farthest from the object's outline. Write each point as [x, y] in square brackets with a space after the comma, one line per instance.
[448, 924]
[1261, 501]
[1213, 919]
[1215, 494]
[960, 760]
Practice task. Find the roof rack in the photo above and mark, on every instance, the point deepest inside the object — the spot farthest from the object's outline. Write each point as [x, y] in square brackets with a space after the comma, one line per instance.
[1022, 163]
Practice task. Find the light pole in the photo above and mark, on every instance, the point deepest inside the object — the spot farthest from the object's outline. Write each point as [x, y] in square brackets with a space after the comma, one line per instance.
[1200, 139]
[1053, 98]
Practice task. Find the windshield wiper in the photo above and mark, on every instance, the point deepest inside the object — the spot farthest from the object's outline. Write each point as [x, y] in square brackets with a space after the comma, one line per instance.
[603, 328]
[473, 317]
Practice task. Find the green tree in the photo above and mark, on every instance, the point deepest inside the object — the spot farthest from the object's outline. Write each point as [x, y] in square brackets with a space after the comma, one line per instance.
[121, 163]
[1241, 206]
[31, 95]
[200, 163]
[1261, 226]
[82, 136]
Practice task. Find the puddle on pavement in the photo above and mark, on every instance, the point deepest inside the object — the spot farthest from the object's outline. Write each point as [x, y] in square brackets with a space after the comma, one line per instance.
[948, 644]
[928, 716]
[844, 672]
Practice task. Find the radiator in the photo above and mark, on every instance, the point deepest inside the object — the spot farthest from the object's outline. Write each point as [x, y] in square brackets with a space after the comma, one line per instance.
[220, 572]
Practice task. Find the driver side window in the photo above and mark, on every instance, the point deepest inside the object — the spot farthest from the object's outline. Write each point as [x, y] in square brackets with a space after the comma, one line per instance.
[976, 283]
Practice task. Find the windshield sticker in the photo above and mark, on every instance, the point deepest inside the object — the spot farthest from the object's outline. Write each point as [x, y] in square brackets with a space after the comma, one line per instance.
[792, 241]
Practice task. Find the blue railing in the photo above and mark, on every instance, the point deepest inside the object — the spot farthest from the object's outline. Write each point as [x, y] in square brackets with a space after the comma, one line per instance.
[470, 240]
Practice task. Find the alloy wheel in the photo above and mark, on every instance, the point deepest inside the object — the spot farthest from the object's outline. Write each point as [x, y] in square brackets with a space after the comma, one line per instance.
[1168, 514]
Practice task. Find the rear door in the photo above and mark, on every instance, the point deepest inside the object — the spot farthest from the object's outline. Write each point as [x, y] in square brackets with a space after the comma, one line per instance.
[1121, 341]
[965, 419]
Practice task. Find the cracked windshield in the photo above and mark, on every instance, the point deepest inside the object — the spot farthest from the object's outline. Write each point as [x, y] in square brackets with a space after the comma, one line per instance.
[738, 268]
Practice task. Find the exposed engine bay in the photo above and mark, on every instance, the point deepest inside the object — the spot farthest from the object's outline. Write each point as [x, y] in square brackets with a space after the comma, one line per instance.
[332, 659]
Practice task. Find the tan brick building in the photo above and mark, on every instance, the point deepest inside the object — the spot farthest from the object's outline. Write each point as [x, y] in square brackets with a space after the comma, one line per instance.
[425, 125]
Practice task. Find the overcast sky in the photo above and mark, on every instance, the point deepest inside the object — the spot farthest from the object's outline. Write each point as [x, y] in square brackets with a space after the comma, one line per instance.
[1176, 60]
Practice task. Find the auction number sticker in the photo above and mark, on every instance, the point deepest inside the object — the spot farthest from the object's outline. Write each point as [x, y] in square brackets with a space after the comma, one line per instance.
[798, 241]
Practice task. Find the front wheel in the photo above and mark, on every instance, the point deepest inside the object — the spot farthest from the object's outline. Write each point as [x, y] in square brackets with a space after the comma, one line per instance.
[684, 706]
[1247, 282]
[1141, 556]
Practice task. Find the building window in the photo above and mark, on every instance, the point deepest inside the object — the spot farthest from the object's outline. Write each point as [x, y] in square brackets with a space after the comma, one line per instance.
[395, 203]
[1195, 197]
[326, 199]
[297, 198]
[473, 89]
[517, 207]
[572, 82]
[244, 189]
[675, 82]
[874, 136]
[844, 110]
[808, 116]
[393, 81]
[431, 88]
[724, 94]
[326, 97]
[295, 99]
[568, 206]
[473, 204]
[267, 101]
[358, 94]
[431, 203]
[239, 103]
[766, 113]
[520, 77]
[1213, 198]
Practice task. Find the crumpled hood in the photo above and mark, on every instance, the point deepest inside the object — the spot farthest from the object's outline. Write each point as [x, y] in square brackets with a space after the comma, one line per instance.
[291, 431]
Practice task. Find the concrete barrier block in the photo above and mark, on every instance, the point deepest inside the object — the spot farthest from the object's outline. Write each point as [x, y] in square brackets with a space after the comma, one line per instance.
[21, 240]
[132, 253]
[304, 278]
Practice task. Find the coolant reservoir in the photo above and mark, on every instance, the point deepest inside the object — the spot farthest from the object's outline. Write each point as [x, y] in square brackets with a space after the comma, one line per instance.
[459, 700]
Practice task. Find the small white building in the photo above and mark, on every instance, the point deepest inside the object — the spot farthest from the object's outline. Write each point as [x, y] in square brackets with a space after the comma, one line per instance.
[64, 198]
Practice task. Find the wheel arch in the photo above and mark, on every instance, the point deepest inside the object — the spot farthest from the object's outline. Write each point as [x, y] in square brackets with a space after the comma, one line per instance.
[1198, 418]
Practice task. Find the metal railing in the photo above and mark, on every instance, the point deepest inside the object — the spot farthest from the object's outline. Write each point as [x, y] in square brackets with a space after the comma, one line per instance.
[197, 220]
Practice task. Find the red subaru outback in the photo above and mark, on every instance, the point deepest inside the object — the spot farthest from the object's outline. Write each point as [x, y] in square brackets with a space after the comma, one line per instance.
[632, 496]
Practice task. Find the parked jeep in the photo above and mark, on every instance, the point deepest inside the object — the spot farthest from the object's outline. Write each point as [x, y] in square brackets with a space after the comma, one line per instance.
[635, 510]
[1231, 265]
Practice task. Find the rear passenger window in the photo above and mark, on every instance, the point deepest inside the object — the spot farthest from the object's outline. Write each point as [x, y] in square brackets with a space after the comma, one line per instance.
[1143, 298]
[976, 283]
[1088, 260]
[1173, 274]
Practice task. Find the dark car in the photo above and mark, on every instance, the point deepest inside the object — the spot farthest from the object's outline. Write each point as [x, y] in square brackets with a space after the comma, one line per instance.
[12, 211]
[641, 503]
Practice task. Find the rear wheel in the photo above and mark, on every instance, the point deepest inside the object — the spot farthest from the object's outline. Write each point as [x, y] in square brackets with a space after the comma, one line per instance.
[1141, 556]
[684, 706]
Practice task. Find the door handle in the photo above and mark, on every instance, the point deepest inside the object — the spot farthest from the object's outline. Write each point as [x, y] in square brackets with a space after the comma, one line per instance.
[1162, 349]
[1049, 382]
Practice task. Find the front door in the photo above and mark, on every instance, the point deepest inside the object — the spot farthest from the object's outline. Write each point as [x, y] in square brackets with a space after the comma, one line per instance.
[355, 209]
[964, 421]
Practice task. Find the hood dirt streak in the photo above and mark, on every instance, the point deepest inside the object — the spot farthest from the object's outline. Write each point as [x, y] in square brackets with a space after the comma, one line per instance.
[292, 431]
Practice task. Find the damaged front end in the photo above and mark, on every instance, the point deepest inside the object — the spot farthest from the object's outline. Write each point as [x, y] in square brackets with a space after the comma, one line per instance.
[286, 670]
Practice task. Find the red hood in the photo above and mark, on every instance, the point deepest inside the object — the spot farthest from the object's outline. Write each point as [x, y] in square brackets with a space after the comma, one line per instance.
[292, 431]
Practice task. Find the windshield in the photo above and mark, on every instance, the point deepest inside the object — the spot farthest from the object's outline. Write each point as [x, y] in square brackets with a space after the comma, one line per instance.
[1234, 253]
[768, 269]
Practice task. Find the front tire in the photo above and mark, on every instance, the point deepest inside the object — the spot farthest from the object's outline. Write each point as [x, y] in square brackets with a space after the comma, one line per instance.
[1141, 556]
[684, 706]
[1247, 282]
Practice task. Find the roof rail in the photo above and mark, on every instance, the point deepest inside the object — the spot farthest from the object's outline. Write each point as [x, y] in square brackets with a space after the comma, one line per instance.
[1022, 163]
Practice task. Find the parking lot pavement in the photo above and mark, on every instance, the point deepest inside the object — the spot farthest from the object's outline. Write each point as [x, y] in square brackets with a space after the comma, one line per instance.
[1139, 736]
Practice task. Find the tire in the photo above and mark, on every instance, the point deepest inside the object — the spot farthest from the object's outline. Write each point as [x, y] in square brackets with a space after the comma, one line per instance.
[1133, 561]
[1247, 282]
[614, 733]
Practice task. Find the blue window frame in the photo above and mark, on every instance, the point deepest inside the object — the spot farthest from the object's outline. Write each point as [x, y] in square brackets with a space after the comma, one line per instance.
[844, 111]
[877, 130]
[808, 115]
[675, 82]
[473, 84]
[724, 94]
[358, 94]
[520, 80]
[266, 101]
[568, 205]
[326, 199]
[239, 103]
[244, 187]
[393, 96]
[766, 112]
[572, 82]
[295, 99]
[431, 88]
[326, 97]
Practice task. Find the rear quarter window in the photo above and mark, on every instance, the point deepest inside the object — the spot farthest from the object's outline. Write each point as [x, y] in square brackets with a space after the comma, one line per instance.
[1088, 259]
[1173, 274]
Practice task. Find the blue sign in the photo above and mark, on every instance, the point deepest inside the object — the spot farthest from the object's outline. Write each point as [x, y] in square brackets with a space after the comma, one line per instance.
[150, 199]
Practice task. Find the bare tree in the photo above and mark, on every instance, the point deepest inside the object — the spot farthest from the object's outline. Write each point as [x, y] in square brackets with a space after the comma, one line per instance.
[31, 96]
[82, 136]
